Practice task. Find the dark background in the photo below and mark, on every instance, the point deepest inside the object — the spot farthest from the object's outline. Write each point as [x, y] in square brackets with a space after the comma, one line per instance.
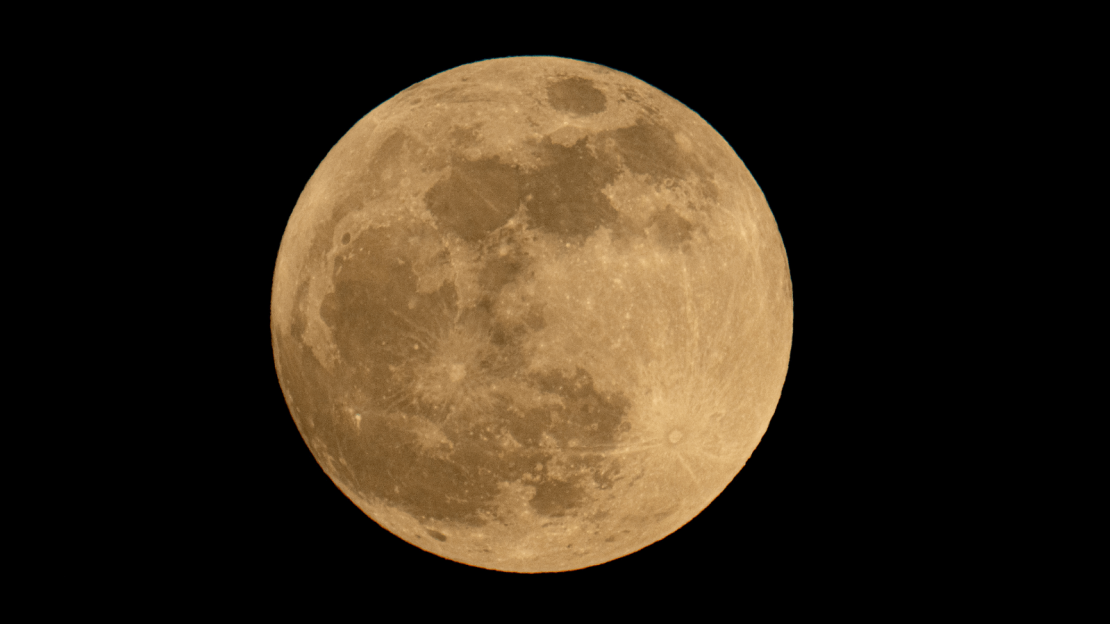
[827, 492]
[916, 164]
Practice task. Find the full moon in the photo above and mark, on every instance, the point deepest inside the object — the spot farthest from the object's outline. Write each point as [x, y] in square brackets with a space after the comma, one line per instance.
[531, 314]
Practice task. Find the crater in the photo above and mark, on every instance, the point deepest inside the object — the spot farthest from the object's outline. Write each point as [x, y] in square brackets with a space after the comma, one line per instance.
[437, 535]
[458, 371]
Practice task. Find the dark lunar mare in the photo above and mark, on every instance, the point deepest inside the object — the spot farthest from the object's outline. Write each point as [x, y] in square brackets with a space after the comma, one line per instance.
[565, 195]
[576, 95]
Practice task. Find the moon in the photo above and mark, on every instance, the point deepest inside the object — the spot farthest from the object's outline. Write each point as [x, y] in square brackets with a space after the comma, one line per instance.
[531, 314]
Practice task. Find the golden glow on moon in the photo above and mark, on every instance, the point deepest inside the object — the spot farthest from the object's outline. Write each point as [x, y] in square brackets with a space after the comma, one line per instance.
[531, 314]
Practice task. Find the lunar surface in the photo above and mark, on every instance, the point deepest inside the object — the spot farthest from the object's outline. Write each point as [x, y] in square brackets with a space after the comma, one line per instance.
[532, 314]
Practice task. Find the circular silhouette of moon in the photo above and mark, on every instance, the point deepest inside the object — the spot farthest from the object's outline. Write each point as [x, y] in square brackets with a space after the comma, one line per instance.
[531, 314]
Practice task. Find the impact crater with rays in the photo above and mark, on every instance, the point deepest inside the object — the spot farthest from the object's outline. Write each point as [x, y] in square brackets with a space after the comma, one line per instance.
[532, 314]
